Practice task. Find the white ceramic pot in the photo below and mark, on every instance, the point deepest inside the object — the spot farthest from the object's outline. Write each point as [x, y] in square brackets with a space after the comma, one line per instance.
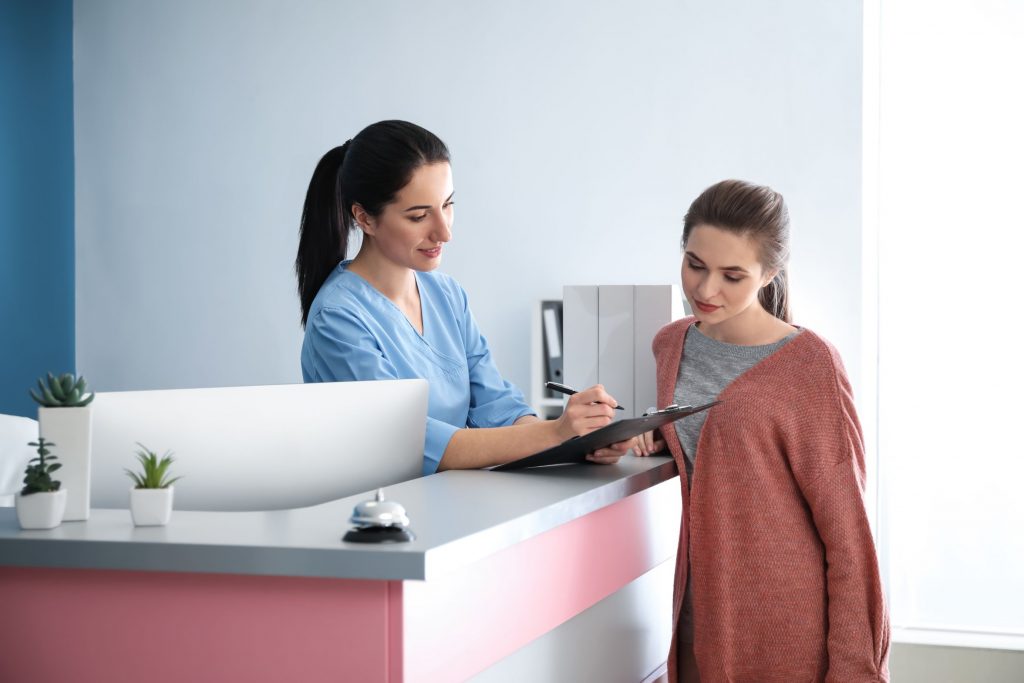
[152, 507]
[41, 510]
[70, 431]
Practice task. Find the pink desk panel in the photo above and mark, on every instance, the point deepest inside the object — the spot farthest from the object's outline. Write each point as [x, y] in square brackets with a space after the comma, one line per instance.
[159, 627]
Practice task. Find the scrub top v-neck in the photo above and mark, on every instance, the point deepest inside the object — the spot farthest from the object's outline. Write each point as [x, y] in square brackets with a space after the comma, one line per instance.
[354, 332]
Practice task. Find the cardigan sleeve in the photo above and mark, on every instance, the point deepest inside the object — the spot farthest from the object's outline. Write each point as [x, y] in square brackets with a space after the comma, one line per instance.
[858, 625]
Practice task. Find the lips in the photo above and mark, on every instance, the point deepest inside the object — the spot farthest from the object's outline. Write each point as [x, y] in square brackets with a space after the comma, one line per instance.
[431, 253]
[706, 308]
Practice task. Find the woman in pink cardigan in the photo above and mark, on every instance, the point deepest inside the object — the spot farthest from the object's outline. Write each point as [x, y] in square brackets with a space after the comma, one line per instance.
[777, 578]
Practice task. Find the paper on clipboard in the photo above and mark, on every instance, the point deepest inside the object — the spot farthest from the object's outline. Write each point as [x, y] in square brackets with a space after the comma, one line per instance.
[577, 448]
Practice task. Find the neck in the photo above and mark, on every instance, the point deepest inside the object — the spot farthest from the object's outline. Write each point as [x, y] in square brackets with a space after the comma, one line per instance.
[397, 283]
[753, 327]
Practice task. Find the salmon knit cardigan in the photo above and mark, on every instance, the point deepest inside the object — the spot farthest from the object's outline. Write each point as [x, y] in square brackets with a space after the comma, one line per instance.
[786, 587]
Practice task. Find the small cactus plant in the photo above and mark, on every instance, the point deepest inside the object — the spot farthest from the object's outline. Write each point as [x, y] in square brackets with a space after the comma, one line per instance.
[37, 474]
[154, 469]
[62, 392]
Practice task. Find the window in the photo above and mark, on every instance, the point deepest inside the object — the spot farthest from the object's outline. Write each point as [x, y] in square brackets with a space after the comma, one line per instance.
[944, 182]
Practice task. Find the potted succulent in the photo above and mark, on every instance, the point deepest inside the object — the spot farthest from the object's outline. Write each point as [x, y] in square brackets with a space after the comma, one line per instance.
[40, 504]
[153, 493]
[66, 417]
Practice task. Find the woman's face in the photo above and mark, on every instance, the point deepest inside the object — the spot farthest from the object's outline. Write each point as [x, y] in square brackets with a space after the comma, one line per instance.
[412, 229]
[722, 275]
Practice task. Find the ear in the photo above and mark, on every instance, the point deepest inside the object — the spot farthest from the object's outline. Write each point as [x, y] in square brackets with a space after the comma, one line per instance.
[364, 220]
[768, 277]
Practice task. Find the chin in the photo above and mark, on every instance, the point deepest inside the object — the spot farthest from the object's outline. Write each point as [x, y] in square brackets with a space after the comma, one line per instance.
[427, 267]
[713, 318]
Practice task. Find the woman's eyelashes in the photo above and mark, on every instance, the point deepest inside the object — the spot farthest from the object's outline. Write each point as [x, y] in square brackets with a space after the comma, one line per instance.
[693, 265]
[446, 205]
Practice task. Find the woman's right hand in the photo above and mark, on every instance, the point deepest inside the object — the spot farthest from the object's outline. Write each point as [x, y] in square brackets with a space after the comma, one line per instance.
[586, 411]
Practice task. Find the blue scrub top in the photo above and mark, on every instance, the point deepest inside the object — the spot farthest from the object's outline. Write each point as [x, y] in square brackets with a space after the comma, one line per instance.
[353, 332]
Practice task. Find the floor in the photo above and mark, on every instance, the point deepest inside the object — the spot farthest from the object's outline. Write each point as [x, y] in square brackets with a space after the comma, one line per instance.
[931, 664]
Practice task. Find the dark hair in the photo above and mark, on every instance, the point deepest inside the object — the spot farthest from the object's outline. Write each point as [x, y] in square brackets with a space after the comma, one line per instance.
[755, 211]
[368, 170]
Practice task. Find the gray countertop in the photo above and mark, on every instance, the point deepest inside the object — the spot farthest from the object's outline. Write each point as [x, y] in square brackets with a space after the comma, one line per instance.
[458, 517]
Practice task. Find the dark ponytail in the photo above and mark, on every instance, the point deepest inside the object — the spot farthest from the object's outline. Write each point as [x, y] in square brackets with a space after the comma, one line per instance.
[754, 211]
[368, 170]
[323, 231]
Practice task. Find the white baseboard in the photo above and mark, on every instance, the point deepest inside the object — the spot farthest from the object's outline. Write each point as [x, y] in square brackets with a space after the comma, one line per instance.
[952, 637]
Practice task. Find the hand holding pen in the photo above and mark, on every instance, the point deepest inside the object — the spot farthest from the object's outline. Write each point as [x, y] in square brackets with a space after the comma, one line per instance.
[586, 411]
[569, 391]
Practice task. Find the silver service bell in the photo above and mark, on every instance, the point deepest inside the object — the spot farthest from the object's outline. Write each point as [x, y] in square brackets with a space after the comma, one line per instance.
[379, 521]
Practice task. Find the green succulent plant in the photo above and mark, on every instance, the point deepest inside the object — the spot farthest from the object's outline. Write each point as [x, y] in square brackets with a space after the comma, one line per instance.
[62, 392]
[37, 474]
[154, 469]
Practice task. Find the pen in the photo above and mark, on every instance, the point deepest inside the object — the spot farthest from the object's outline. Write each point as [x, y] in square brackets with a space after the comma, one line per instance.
[569, 391]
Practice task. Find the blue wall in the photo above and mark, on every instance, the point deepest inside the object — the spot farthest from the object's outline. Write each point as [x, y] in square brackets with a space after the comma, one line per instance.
[37, 197]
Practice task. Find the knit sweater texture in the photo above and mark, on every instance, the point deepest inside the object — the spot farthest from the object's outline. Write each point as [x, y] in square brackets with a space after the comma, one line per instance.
[786, 586]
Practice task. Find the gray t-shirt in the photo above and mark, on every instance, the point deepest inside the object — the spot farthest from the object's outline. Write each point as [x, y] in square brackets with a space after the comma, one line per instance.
[708, 366]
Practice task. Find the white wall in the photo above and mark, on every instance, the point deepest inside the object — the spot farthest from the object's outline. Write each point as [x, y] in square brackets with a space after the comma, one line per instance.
[580, 133]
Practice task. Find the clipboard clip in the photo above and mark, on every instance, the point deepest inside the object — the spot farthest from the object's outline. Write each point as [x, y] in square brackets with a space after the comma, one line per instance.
[675, 408]
[672, 407]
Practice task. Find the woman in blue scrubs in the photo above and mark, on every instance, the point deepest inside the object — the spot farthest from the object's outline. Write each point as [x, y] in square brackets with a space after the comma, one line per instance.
[388, 314]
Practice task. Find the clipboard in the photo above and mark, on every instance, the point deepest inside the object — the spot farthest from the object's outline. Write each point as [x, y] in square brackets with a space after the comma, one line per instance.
[577, 448]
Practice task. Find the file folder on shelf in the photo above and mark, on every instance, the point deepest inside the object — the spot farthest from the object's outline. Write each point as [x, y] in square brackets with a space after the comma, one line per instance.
[551, 324]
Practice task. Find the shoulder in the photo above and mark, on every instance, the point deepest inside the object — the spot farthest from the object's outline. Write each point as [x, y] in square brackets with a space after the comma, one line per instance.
[814, 350]
[337, 290]
[343, 302]
[671, 335]
[810, 370]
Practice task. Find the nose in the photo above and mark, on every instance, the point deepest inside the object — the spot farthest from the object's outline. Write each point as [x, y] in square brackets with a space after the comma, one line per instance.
[706, 288]
[442, 231]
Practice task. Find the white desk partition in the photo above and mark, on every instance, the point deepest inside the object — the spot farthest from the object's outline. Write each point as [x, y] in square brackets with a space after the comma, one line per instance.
[262, 447]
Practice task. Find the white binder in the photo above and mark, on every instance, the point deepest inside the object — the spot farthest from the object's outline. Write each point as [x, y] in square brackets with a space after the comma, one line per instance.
[607, 335]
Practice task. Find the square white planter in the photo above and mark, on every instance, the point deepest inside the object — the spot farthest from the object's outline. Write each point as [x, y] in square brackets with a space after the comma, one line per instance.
[152, 507]
[41, 510]
[70, 431]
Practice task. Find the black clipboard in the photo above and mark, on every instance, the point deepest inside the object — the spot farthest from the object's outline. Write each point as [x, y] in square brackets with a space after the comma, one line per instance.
[577, 448]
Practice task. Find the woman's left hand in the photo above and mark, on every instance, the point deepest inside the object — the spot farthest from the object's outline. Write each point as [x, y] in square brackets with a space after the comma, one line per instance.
[648, 443]
[611, 454]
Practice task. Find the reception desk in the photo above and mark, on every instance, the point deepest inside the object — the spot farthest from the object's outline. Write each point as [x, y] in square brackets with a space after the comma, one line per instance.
[557, 574]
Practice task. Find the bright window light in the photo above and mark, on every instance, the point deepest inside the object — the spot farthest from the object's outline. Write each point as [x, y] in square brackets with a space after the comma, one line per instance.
[950, 249]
